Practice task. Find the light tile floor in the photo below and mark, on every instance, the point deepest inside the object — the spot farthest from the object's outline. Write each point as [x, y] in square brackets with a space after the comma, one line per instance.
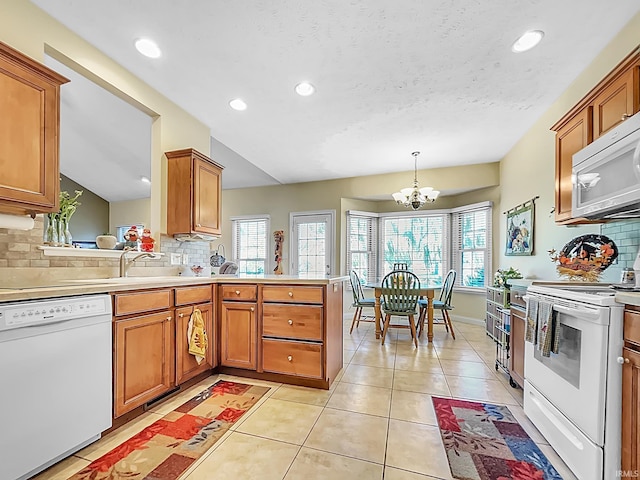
[376, 421]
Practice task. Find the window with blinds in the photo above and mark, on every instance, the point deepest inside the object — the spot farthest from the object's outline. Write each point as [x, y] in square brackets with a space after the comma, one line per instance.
[250, 244]
[420, 241]
[362, 245]
[471, 243]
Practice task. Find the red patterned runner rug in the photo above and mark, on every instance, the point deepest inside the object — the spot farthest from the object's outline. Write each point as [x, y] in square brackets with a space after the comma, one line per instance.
[166, 448]
[485, 442]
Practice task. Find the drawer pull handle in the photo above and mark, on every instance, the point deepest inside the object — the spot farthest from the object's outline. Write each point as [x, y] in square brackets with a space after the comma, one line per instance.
[291, 294]
[290, 322]
[625, 116]
[198, 225]
[251, 309]
[237, 292]
[290, 358]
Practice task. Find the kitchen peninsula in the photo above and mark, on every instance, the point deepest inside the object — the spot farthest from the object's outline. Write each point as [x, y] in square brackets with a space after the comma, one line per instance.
[273, 327]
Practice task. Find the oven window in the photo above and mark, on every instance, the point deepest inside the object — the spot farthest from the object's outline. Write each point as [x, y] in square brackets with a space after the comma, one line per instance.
[566, 362]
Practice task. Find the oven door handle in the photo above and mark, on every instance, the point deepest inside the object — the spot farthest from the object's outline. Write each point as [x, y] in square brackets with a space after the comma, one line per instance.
[583, 313]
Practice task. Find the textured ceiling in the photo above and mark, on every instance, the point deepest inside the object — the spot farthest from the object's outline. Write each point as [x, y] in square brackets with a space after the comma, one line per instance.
[391, 76]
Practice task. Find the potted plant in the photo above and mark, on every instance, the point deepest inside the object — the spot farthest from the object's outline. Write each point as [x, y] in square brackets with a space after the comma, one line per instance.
[106, 241]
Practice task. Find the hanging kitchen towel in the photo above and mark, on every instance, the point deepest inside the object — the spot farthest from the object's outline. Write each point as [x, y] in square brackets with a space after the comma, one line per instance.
[197, 336]
[545, 326]
[555, 344]
[532, 320]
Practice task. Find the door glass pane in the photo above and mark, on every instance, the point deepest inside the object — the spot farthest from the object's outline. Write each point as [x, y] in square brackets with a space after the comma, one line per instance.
[312, 246]
[566, 362]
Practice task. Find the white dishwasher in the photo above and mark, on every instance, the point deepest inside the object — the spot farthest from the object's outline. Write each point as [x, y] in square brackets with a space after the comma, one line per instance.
[55, 380]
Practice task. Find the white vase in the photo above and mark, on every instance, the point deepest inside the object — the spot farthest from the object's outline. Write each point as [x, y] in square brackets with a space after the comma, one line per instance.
[106, 242]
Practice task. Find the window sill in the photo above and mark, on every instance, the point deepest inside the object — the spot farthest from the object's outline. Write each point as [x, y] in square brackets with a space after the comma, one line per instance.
[90, 252]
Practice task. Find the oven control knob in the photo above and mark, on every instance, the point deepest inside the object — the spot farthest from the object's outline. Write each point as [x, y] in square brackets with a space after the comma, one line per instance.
[622, 360]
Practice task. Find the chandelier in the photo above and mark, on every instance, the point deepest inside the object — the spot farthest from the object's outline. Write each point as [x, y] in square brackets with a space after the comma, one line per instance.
[414, 197]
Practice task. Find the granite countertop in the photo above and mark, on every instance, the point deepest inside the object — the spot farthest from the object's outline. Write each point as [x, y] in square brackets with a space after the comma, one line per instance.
[628, 298]
[65, 288]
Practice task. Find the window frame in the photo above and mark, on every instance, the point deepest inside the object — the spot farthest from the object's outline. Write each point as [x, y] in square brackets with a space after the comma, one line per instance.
[234, 240]
[457, 250]
[372, 241]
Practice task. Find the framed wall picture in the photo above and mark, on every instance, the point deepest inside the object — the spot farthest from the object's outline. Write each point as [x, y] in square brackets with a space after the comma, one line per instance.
[520, 229]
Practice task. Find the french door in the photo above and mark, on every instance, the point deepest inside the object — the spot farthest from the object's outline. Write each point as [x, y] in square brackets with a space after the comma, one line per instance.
[312, 243]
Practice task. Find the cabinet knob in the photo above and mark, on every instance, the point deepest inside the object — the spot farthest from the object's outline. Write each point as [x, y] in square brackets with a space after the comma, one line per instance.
[290, 358]
[168, 319]
[517, 295]
[290, 322]
[237, 292]
[622, 360]
[291, 294]
[198, 225]
[252, 309]
[625, 116]
[181, 315]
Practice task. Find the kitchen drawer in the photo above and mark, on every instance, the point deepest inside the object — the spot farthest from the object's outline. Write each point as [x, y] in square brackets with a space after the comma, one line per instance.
[292, 293]
[292, 358]
[490, 294]
[499, 296]
[632, 327]
[292, 321]
[137, 302]
[240, 292]
[190, 295]
[517, 298]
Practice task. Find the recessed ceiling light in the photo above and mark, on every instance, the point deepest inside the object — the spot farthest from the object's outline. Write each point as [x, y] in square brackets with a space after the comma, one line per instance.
[238, 104]
[145, 179]
[527, 41]
[148, 48]
[305, 89]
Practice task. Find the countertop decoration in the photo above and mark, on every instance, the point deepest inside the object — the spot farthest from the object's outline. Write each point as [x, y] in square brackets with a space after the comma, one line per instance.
[57, 232]
[501, 276]
[585, 257]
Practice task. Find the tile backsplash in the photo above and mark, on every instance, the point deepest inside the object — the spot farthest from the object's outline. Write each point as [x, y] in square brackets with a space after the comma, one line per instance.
[19, 252]
[626, 235]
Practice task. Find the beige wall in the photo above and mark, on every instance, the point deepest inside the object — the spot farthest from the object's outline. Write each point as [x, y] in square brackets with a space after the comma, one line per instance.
[133, 212]
[31, 31]
[529, 168]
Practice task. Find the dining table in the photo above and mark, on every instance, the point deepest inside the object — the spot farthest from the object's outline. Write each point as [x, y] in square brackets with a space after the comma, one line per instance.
[427, 291]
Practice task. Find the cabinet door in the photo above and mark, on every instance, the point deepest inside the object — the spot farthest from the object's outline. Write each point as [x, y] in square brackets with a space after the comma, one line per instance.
[572, 137]
[186, 364]
[614, 104]
[29, 127]
[238, 335]
[144, 359]
[207, 191]
[631, 411]
[516, 366]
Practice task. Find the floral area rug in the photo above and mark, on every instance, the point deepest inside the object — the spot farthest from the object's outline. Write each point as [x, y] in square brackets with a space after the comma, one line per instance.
[166, 448]
[485, 442]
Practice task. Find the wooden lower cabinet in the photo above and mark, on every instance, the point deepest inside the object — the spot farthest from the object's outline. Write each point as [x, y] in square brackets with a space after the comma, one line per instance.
[631, 411]
[238, 335]
[292, 358]
[187, 366]
[144, 359]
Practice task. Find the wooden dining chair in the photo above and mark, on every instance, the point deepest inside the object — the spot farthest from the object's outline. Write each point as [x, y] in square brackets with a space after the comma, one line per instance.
[399, 296]
[443, 304]
[360, 302]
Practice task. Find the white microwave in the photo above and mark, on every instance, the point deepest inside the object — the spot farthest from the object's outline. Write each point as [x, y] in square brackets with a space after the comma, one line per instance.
[606, 174]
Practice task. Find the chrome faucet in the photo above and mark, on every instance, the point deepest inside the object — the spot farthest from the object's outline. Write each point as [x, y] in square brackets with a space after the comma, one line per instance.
[125, 264]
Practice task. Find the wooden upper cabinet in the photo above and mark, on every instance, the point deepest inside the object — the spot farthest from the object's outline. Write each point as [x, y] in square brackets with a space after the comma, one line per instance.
[573, 136]
[615, 103]
[29, 134]
[194, 194]
[607, 105]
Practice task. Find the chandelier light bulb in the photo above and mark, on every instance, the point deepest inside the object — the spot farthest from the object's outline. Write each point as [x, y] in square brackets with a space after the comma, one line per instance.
[415, 197]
